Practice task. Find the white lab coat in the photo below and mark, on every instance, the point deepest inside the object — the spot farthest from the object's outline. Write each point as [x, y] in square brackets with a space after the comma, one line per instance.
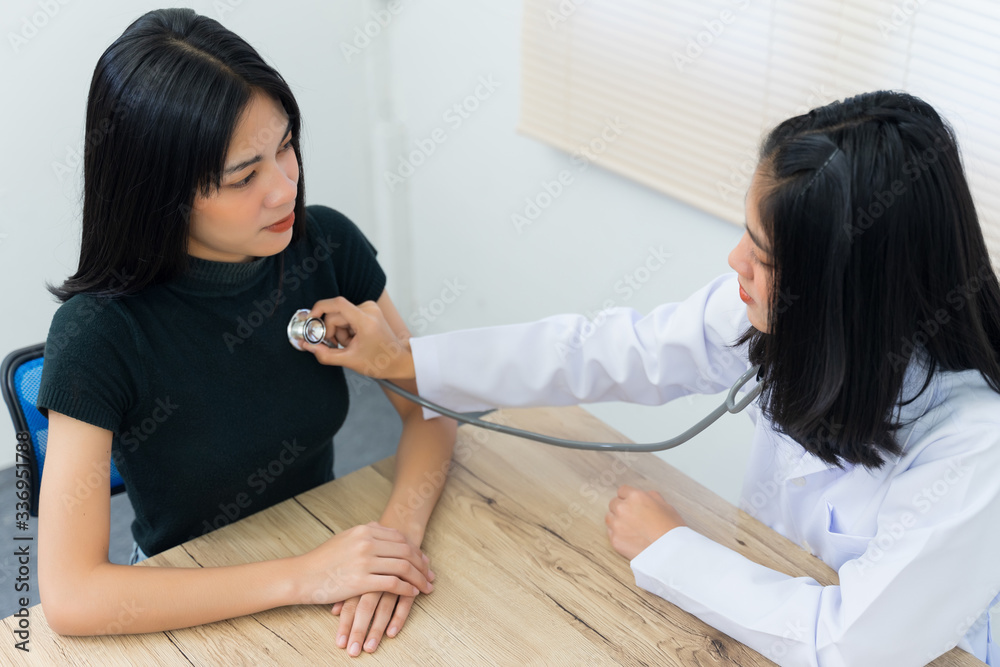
[916, 543]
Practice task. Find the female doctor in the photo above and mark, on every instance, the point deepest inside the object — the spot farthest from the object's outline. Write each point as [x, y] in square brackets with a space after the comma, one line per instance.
[864, 291]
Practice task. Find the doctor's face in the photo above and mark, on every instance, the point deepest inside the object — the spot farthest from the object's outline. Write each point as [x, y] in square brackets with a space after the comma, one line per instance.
[752, 261]
[251, 214]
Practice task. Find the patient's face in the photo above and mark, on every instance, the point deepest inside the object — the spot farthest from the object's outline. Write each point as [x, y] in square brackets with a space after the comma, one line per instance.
[236, 223]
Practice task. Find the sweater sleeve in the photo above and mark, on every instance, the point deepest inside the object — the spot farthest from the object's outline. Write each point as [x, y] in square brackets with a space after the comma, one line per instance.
[90, 363]
[355, 266]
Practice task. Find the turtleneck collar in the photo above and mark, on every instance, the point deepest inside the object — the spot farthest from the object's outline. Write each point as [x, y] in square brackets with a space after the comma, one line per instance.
[205, 276]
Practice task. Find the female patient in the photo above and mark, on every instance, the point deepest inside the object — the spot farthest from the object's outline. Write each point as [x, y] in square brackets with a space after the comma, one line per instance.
[169, 353]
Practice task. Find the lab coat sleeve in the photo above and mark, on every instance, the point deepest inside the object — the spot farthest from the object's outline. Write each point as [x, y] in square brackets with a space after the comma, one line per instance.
[929, 573]
[677, 349]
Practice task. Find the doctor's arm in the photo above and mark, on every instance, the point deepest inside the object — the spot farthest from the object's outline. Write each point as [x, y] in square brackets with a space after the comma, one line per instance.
[926, 576]
[677, 349]
[423, 460]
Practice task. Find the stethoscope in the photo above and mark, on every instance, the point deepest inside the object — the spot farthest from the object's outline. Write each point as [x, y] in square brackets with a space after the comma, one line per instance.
[313, 330]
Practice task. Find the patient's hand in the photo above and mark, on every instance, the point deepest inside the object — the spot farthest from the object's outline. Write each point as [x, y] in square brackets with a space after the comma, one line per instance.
[364, 620]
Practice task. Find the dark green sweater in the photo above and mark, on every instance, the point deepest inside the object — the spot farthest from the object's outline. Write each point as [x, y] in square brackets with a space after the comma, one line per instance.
[215, 415]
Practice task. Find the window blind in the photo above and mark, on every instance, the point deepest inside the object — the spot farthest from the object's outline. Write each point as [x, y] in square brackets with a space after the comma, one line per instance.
[677, 94]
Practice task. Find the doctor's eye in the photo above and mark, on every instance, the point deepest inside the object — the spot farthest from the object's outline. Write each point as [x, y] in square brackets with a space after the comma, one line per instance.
[758, 261]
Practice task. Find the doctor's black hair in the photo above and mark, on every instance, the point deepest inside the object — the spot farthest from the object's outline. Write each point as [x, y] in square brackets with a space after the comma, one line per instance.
[164, 102]
[878, 257]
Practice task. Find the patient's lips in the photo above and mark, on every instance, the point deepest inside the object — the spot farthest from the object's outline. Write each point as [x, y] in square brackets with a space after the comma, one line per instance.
[282, 225]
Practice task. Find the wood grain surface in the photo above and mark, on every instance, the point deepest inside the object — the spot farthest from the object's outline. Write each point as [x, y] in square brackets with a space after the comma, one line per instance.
[525, 574]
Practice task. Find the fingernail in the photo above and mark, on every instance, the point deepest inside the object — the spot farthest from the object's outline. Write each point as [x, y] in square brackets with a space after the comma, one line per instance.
[370, 645]
[430, 587]
[430, 575]
[426, 559]
[342, 641]
[392, 631]
[355, 648]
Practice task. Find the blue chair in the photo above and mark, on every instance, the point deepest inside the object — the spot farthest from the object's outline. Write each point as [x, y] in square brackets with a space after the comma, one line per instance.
[21, 375]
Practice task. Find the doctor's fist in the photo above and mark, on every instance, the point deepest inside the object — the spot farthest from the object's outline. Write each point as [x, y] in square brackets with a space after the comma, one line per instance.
[637, 518]
[370, 346]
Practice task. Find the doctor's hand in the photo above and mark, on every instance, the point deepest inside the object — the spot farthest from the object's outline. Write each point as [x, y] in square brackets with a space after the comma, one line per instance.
[637, 518]
[370, 346]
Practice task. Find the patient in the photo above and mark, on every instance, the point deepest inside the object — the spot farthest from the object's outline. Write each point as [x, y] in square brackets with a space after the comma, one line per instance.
[169, 353]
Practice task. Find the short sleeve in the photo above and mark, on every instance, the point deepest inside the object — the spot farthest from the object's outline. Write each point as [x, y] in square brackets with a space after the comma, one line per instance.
[354, 263]
[89, 366]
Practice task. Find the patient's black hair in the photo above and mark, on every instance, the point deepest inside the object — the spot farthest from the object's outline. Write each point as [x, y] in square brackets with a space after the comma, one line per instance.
[879, 258]
[164, 102]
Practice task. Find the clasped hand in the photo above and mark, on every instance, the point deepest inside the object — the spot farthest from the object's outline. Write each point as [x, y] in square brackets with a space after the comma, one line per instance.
[372, 575]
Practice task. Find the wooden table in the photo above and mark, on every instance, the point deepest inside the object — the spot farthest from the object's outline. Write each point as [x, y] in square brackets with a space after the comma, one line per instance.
[525, 574]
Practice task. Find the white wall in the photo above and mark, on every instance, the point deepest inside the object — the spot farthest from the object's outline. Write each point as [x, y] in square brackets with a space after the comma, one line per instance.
[460, 203]
[43, 124]
[449, 221]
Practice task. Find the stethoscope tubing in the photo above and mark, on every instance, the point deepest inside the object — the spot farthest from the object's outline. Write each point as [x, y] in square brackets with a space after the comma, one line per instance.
[729, 405]
[302, 327]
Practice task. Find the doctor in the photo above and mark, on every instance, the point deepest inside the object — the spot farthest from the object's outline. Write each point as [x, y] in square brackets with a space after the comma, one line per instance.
[864, 290]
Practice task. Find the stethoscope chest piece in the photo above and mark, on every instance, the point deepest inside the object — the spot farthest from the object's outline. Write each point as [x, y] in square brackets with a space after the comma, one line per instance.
[302, 328]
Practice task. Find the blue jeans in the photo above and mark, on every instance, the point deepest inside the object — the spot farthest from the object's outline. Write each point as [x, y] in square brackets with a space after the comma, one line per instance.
[137, 554]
